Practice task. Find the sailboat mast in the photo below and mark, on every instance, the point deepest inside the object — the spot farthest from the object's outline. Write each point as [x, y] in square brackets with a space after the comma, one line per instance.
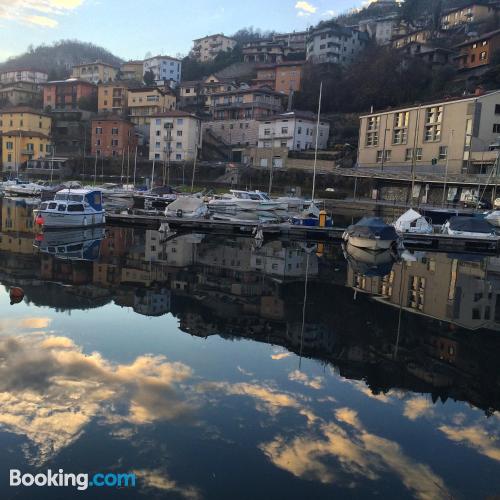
[317, 142]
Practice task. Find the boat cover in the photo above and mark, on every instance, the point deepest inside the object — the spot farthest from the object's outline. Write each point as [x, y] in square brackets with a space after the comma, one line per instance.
[185, 203]
[372, 227]
[471, 225]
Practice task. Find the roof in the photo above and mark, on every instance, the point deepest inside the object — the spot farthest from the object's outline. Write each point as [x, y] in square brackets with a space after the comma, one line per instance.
[94, 62]
[70, 81]
[430, 103]
[278, 65]
[249, 90]
[24, 133]
[163, 57]
[175, 114]
[111, 118]
[152, 88]
[300, 115]
[15, 70]
[212, 36]
[132, 62]
[23, 109]
[484, 36]
[78, 191]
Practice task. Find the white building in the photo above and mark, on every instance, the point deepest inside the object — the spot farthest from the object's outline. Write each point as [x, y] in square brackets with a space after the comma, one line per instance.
[174, 136]
[331, 43]
[206, 49]
[295, 130]
[381, 29]
[23, 75]
[167, 70]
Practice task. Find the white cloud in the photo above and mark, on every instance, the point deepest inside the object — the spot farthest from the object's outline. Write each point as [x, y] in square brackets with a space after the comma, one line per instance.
[305, 8]
[30, 11]
[417, 407]
[302, 378]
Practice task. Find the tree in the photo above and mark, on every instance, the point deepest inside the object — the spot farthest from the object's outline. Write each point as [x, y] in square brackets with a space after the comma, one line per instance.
[149, 78]
[88, 103]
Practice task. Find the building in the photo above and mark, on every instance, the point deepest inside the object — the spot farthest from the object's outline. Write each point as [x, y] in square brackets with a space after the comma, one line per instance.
[472, 13]
[295, 131]
[433, 56]
[245, 104]
[420, 36]
[175, 136]
[132, 70]
[112, 136]
[96, 72]
[195, 93]
[381, 29]
[167, 70]
[293, 42]
[234, 134]
[263, 51]
[143, 102]
[23, 75]
[112, 97]
[66, 94]
[284, 77]
[478, 52]
[25, 134]
[207, 48]
[21, 93]
[457, 134]
[330, 42]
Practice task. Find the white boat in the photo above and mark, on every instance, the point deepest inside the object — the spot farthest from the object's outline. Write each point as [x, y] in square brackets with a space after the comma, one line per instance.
[23, 188]
[72, 208]
[187, 207]
[371, 233]
[471, 227]
[245, 200]
[494, 218]
[413, 222]
[110, 190]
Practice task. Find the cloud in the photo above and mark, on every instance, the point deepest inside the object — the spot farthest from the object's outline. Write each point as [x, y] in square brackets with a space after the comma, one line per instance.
[305, 8]
[280, 355]
[302, 378]
[476, 437]
[30, 11]
[50, 390]
[18, 324]
[417, 407]
[159, 480]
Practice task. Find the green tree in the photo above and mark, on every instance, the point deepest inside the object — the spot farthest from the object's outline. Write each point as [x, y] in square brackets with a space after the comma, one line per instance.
[149, 78]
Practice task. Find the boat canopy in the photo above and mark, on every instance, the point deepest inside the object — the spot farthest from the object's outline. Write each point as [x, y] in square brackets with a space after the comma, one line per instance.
[372, 227]
[471, 225]
[186, 204]
[413, 221]
[92, 197]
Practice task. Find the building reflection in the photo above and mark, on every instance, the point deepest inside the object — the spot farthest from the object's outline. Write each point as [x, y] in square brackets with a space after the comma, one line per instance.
[429, 323]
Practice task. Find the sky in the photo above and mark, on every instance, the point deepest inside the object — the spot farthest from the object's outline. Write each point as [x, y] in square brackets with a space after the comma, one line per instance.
[131, 28]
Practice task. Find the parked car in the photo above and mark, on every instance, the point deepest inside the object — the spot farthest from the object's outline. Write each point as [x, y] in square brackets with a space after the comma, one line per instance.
[471, 200]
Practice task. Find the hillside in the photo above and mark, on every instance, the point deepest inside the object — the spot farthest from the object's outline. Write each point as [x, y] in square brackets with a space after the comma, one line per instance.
[58, 58]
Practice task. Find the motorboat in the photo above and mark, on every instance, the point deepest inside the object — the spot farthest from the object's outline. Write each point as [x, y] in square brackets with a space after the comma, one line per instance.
[368, 263]
[294, 203]
[494, 218]
[110, 190]
[188, 207]
[71, 244]
[24, 188]
[371, 233]
[71, 208]
[311, 217]
[473, 227]
[412, 222]
[157, 198]
[245, 200]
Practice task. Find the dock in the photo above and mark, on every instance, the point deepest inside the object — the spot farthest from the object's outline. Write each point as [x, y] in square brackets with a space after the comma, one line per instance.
[435, 242]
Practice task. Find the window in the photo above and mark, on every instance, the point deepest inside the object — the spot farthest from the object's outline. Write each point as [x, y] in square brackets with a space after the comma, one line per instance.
[379, 156]
[496, 128]
[418, 154]
[433, 117]
[10, 145]
[158, 121]
[409, 154]
[483, 56]
[75, 208]
[497, 109]
[443, 152]
[179, 133]
[388, 154]
[267, 131]
[400, 134]
[114, 142]
[98, 130]
[284, 130]
[178, 157]
[157, 156]
[299, 130]
[179, 145]
[372, 130]
[61, 208]
[180, 121]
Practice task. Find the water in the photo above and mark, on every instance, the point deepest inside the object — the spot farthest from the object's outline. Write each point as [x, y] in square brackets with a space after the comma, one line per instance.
[215, 369]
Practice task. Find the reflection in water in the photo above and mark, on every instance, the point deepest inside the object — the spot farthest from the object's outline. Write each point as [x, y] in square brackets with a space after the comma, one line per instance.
[421, 330]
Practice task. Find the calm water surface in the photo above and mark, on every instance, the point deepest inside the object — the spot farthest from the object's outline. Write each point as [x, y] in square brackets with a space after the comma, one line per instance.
[218, 370]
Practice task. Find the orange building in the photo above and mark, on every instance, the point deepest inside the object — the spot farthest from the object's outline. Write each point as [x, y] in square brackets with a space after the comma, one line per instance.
[478, 51]
[66, 94]
[283, 77]
[112, 136]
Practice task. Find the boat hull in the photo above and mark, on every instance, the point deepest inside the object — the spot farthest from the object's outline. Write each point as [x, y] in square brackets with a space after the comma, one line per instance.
[370, 243]
[54, 220]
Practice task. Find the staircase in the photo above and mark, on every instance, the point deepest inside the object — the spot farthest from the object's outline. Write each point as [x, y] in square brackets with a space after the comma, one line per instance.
[214, 147]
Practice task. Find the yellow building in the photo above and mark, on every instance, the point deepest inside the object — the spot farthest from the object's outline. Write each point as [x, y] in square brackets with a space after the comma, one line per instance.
[146, 101]
[112, 97]
[25, 135]
[132, 70]
[95, 72]
[472, 13]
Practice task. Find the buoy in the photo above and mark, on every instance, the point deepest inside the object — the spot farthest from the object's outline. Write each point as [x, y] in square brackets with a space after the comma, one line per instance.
[16, 295]
[39, 221]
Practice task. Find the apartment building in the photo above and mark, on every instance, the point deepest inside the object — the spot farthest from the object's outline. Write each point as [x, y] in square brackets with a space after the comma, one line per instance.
[167, 70]
[330, 42]
[112, 136]
[468, 14]
[294, 41]
[21, 93]
[132, 70]
[245, 104]
[95, 72]
[420, 36]
[381, 29]
[174, 136]
[34, 76]
[194, 93]
[65, 94]
[478, 52]
[233, 133]
[295, 131]
[112, 97]
[143, 102]
[25, 135]
[263, 51]
[283, 77]
[207, 48]
[458, 134]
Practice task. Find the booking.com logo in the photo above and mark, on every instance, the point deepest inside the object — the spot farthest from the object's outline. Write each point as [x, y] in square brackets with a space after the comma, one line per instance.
[81, 482]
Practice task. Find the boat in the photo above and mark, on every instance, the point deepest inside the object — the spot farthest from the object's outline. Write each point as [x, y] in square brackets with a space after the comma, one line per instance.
[311, 217]
[71, 208]
[412, 222]
[71, 244]
[494, 218]
[368, 263]
[371, 233]
[25, 188]
[245, 200]
[473, 227]
[157, 198]
[187, 207]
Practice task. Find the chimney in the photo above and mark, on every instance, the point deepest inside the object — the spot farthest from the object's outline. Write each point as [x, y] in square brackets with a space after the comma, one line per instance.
[479, 91]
